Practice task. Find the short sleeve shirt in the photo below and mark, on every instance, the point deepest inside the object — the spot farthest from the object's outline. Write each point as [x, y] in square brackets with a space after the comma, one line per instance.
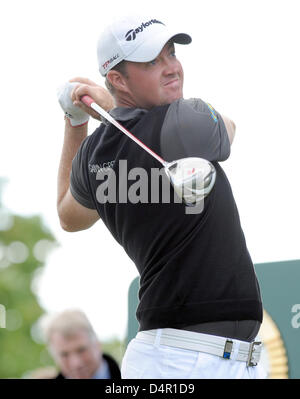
[192, 128]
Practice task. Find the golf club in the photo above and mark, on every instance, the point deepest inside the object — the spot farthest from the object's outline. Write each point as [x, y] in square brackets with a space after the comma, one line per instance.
[192, 178]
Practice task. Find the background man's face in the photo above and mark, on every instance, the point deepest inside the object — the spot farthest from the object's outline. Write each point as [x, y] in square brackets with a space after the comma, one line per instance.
[157, 82]
[76, 355]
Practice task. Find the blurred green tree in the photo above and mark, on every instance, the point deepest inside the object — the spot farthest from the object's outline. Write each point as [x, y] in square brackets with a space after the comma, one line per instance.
[24, 244]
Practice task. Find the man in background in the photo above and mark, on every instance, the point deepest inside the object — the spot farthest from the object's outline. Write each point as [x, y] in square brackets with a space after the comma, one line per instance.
[75, 348]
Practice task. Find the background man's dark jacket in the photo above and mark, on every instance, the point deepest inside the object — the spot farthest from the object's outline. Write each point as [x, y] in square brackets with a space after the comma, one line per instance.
[114, 369]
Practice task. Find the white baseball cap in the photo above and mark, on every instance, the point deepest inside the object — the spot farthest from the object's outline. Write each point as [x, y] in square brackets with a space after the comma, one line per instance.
[134, 38]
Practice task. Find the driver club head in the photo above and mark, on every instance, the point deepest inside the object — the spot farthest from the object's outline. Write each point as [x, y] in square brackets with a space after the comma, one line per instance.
[192, 178]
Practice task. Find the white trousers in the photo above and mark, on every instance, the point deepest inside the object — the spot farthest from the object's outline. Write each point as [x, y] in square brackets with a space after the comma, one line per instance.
[156, 361]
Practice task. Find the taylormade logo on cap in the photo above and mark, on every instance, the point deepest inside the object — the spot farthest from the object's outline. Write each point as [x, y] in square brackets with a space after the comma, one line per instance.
[131, 34]
[134, 39]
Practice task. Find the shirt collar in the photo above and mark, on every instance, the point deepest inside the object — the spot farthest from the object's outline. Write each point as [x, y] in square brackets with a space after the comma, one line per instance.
[103, 372]
[125, 114]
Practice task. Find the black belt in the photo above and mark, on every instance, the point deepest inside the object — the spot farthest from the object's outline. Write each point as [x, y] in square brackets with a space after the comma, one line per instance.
[243, 330]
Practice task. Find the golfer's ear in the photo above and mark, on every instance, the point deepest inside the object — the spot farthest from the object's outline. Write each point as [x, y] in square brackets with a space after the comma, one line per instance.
[117, 80]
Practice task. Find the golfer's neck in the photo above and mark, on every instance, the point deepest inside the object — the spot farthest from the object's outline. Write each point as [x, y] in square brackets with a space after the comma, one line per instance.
[126, 101]
[122, 100]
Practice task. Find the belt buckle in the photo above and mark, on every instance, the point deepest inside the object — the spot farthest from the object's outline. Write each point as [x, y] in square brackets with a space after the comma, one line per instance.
[250, 362]
[227, 349]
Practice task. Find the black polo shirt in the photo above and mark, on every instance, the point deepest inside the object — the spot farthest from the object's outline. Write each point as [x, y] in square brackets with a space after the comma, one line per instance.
[194, 268]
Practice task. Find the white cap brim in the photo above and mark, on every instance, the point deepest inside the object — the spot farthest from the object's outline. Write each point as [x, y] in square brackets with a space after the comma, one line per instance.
[151, 48]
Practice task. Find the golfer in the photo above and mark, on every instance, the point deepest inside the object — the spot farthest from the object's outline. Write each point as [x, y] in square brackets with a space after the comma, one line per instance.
[199, 306]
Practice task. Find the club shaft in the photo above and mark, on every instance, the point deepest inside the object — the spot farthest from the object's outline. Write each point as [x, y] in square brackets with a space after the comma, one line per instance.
[91, 103]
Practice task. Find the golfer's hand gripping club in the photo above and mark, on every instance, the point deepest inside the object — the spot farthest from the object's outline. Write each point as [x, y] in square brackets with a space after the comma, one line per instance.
[76, 116]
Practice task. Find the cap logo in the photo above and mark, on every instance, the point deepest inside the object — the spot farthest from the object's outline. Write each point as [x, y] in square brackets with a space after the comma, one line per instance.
[131, 34]
[106, 63]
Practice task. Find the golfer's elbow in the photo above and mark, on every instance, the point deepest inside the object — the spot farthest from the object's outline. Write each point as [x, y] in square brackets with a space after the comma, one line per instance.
[71, 227]
[75, 217]
[65, 222]
[67, 227]
[230, 128]
[232, 132]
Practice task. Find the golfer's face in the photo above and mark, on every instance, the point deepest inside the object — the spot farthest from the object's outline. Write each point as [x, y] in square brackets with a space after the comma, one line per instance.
[77, 356]
[157, 82]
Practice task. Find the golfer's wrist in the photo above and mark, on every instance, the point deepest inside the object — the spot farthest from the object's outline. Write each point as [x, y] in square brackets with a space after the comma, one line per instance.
[75, 126]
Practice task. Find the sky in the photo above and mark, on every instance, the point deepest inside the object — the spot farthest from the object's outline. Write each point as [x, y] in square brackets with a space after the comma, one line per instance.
[243, 59]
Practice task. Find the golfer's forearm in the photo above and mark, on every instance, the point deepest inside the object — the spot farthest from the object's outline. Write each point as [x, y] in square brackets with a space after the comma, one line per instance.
[72, 139]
